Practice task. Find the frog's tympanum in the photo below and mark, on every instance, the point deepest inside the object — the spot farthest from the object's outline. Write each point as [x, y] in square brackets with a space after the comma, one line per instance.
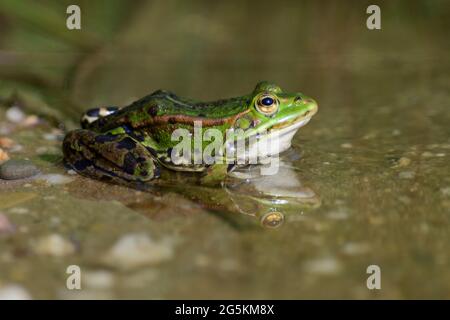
[131, 144]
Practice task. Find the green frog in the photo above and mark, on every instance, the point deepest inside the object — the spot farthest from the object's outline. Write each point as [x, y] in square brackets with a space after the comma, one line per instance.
[131, 144]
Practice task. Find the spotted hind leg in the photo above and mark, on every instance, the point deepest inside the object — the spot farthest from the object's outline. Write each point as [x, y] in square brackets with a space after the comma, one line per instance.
[114, 157]
[94, 114]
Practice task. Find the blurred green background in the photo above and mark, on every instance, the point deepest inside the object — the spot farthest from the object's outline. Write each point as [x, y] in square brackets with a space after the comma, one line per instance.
[376, 154]
[206, 49]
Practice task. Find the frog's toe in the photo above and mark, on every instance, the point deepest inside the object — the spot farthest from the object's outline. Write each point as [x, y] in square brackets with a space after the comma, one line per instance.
[108, 156]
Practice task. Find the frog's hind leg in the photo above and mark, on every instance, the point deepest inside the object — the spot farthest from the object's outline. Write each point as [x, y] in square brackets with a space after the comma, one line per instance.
[114, 157]
[94, 114]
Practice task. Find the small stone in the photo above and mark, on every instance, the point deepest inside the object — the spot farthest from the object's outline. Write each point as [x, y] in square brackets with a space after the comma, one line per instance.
[41, 150]
[55, 179]
[346, 145]
[407, 175]
[137, 250]
[433, 146]
[3, 156]
[323, 266]
[353, 248]
[6, 142]
[18, 210]
[446, 191]
[100, 279]
[54, 245]
[15, 115]
[427, 154]
[404, 199]
[31, 121]
[338, 215]
[404, 162]
[16, 148]
[202, 260]
[6, 227]
[140, 279]
[52, 136]
[17, 169]
[14, 292]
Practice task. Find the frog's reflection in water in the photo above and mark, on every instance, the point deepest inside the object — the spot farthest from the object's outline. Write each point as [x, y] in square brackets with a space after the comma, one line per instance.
[246, 198]
[270, 197]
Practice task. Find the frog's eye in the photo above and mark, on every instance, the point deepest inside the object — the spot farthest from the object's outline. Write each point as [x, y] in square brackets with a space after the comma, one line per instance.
[267, 104]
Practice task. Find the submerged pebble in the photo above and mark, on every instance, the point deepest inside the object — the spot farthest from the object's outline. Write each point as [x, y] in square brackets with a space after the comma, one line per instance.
[54, 179]
[352, 248]
[100, 279]
[17, 169]
[6, 142]
[407, 175]
[14, 292]
[338, 214]
[6, 227]
[138, 250]
[446, 191]
[18, 210]
[404, 162]
[15, 115]
[323, 266]
[54, 245]
[3, 156]
[427, 154]
[346, 145]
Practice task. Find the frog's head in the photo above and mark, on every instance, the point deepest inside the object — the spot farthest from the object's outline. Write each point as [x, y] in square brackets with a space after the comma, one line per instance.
[273, 112]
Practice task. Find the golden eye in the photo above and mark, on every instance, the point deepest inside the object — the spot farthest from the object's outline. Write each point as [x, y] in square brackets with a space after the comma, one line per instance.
[267, 104]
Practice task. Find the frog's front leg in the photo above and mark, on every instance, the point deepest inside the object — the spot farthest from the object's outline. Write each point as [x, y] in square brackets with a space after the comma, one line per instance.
[108, 156]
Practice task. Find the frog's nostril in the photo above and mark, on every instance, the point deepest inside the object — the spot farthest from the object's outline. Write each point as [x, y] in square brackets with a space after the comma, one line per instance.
[298, 99]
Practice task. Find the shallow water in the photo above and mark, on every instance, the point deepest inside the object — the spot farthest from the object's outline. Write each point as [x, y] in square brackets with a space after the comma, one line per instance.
[369, 177]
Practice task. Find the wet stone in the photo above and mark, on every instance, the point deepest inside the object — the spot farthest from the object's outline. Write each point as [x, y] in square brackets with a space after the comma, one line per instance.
[14, 292]
[137, 250]
[3, 156]
[407, 175]
[54, 245]
[6, 227]
[6, 142]
[15, 114]
[323, 266]
[56, 179]
[404, 162]
[17, 169]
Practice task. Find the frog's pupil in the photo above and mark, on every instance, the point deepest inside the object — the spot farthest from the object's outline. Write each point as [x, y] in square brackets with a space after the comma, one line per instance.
[267, 101]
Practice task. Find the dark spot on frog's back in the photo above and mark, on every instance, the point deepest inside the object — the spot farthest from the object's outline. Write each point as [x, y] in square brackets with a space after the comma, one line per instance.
[172, 120]
[129, 163]
[152, 110]
[101, 138]
[126, 143]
